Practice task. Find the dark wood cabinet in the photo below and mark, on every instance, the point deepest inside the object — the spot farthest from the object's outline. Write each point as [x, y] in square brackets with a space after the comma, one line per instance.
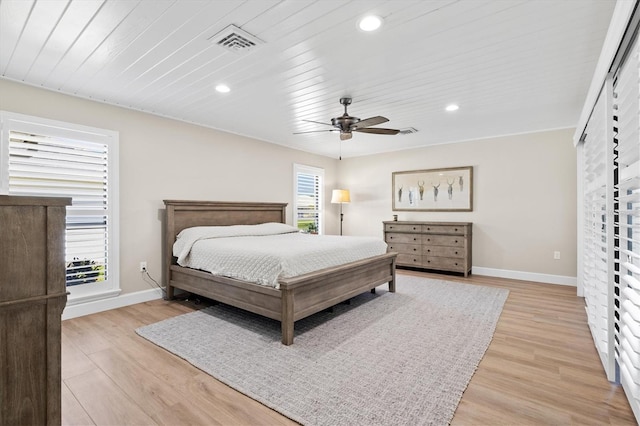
[32, 298]
[442, 246]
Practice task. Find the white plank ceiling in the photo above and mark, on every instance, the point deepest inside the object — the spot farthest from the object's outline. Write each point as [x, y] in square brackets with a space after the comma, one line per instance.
[512, 66]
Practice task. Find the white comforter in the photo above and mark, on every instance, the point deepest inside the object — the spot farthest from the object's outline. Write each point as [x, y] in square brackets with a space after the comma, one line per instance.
[264, 253]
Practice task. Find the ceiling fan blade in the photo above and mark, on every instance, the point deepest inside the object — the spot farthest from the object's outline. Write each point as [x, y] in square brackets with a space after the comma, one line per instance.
[372, 121]
[315, 131]
[345, 135]
[378, 131]
[318, 122]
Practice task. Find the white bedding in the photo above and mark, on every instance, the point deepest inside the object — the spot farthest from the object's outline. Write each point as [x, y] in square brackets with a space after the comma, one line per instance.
[264, 253]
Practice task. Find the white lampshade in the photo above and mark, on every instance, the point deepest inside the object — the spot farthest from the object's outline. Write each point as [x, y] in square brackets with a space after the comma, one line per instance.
[339, 196]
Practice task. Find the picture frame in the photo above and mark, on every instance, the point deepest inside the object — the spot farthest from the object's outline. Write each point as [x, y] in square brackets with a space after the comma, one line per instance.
[445, 190]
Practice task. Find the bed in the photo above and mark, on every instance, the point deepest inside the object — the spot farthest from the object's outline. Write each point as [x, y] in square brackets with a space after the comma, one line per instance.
[296, 298]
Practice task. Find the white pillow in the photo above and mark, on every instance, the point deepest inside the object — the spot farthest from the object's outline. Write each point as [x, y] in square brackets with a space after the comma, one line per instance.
[270, 228]
[188, 236]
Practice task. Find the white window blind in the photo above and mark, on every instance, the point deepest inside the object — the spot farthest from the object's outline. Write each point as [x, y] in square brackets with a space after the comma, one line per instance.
[626, 111]
[53, 159]
[308, 199]
[596, 272]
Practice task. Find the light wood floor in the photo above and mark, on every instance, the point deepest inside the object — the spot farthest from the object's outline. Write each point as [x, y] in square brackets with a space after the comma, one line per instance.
[541, 368]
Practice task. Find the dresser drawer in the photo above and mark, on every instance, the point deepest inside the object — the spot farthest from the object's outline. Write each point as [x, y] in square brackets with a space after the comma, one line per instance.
[401, 248]
[446, 263]
[393, 237]
[443, 240]
[409, 260]
[400, 227]
[444, 251]
[444, 229]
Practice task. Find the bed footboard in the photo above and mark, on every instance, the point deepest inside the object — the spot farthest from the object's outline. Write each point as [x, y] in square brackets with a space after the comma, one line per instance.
[310, 293]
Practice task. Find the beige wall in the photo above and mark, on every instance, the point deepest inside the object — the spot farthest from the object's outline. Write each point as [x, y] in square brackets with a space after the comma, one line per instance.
[167, 159]
[524, 198]
[524, 189]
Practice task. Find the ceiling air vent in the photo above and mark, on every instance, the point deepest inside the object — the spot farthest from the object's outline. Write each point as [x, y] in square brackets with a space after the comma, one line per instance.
[408, 131]
[235, 39]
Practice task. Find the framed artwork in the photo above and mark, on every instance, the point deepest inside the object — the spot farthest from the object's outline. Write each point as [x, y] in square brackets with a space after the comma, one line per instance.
[446, 190]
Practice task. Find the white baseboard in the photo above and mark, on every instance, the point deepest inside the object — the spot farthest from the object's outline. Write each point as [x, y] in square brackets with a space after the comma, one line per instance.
[127, 299]
[525, 276]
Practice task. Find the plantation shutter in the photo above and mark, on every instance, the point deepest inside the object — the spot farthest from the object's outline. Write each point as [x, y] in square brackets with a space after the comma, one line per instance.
[308, 202]
[627, 124]
[45, 165]
[308, 198]
[597, 242]
[609, 260]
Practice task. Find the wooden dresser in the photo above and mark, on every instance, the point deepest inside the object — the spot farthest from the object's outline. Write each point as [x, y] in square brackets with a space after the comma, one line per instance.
[32, 297]
[442, 246]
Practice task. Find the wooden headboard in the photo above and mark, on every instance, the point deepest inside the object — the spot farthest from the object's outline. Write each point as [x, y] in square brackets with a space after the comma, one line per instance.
[181, 214]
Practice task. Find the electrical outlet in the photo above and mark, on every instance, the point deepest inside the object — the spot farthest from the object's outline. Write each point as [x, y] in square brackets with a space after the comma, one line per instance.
[143, 266]
[556, 255]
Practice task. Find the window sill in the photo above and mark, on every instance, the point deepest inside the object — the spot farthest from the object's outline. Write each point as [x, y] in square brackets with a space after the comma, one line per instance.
[81, 299]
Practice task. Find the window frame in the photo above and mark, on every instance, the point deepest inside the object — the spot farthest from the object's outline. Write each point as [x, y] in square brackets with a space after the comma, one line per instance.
[318, 172]
[10, 121]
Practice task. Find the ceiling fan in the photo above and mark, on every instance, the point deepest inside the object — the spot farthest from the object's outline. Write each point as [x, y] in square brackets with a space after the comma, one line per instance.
[347, 124]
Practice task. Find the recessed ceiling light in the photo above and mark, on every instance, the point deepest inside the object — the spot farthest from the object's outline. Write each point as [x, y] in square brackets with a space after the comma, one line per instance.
[370, 23]
[223, 88]
[452, 107]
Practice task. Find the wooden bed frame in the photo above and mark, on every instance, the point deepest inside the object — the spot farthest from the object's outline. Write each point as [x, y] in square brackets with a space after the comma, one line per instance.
[297, 297]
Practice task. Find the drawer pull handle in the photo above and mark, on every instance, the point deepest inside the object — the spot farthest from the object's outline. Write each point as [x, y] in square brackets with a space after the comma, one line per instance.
[414, 228]
[456, 241]
[391, 238]
[428, 250]
[456, 263]
[428, 239]
[414, 249]
[455, 229]
[414, 239]
[456, 252]
[428, 229]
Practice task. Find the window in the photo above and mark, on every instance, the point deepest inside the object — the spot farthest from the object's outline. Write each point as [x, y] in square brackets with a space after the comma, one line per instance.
[308, 213]
[41, 157]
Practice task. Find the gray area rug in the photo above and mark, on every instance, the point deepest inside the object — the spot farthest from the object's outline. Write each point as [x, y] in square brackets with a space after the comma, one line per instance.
[401, 358]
